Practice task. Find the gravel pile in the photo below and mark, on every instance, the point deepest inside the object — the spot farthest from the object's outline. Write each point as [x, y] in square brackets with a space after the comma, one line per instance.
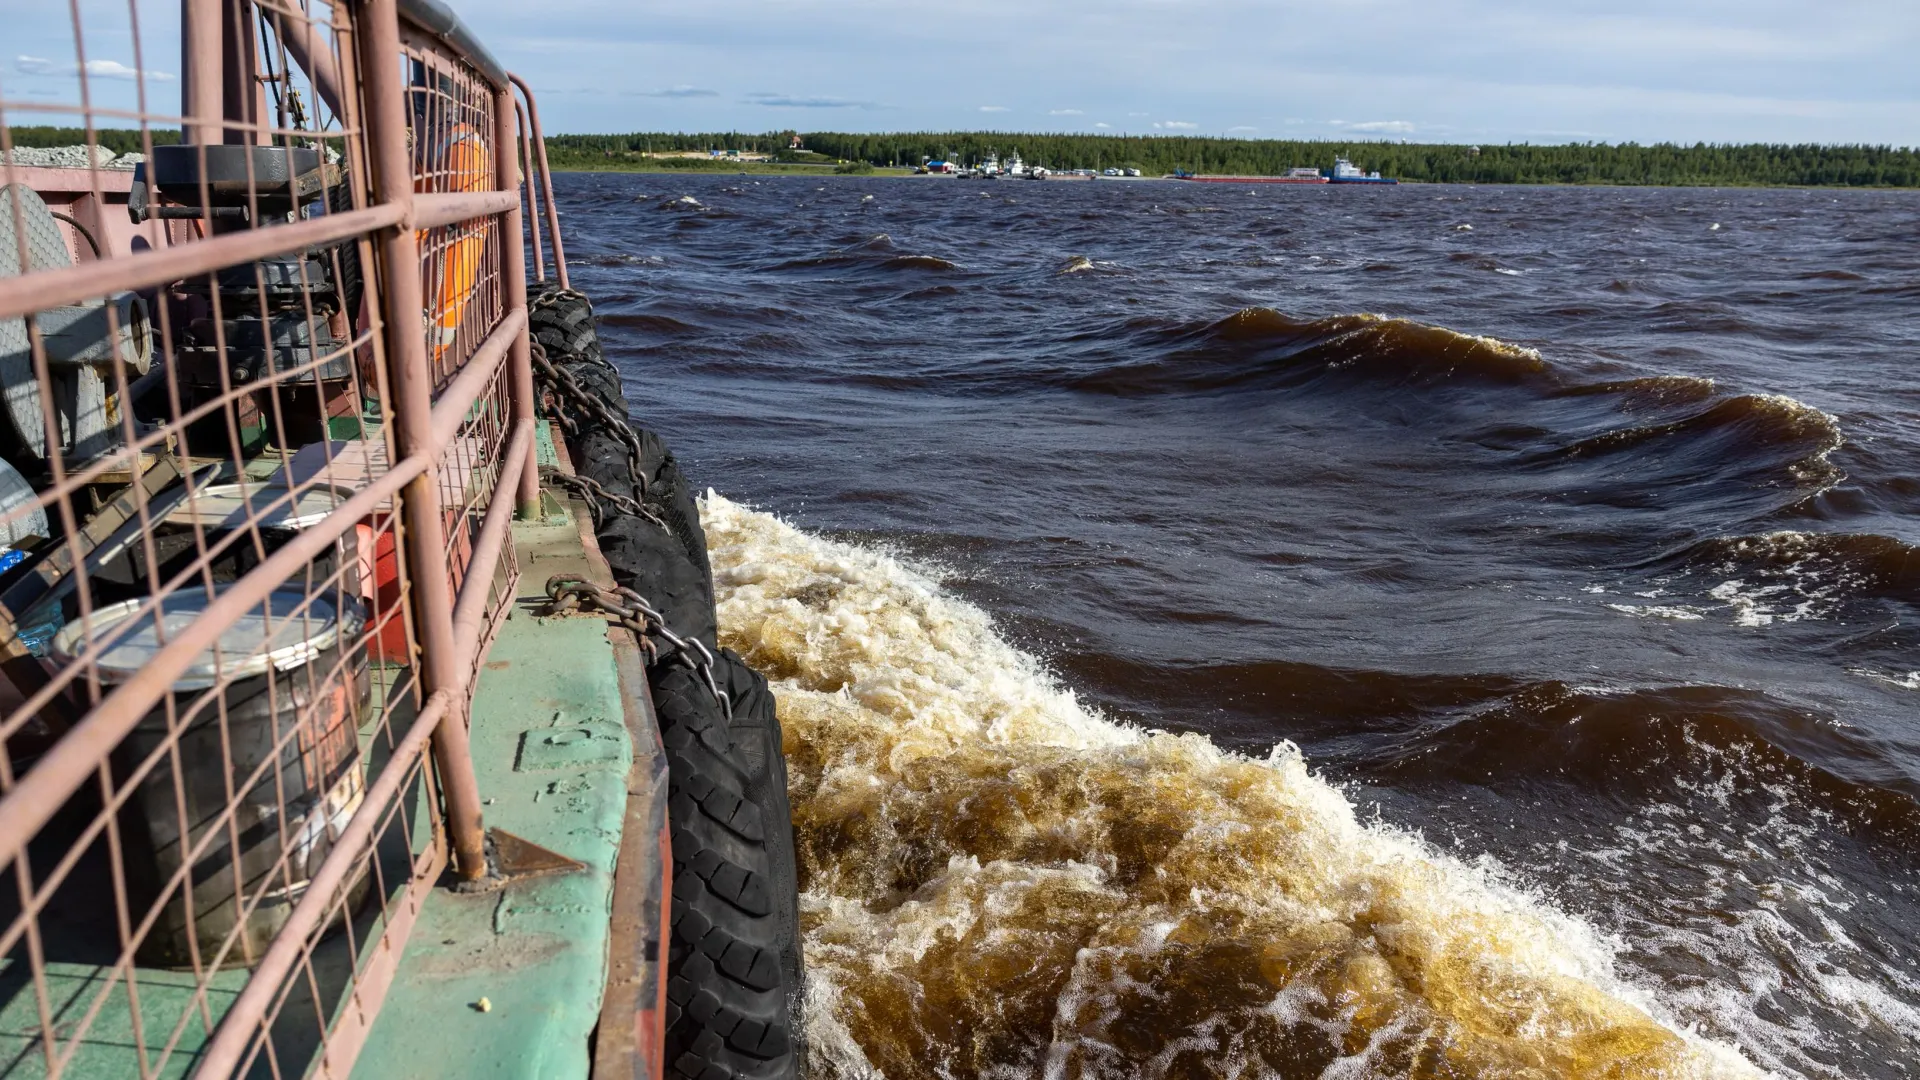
[69, 157]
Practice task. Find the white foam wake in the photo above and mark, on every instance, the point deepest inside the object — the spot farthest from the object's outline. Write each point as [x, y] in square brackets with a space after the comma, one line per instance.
[999, 882]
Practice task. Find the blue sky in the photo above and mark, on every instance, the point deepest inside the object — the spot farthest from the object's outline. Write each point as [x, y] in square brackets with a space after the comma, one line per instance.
[1426, 70]
[1449, 70]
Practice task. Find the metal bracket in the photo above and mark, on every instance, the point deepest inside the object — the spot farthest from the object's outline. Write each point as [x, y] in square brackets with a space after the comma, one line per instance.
[511, 859]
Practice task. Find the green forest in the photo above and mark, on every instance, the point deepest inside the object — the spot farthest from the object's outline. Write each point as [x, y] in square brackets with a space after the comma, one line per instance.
[1702, 164]
[118, 140]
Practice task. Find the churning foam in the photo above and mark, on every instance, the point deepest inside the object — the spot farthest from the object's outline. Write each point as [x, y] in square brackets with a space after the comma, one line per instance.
[999, 882]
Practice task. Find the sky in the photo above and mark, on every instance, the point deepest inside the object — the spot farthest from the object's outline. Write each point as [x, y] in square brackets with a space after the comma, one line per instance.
[1467, 71]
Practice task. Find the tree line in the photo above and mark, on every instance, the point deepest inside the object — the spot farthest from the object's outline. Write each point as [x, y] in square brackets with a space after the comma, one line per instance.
[1712, 164]
[118, 140]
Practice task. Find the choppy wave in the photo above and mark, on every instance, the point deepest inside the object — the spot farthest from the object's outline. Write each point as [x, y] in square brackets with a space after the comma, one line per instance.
[1855, 562]
[1755, 419]
[1787, 576]
[1258, 348]
[1695, 431]
[1648, 743]
[876, 252]
[1000, 882]
[1256, 345]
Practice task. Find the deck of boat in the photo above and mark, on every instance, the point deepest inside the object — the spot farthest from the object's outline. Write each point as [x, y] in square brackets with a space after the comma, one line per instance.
[567, 755]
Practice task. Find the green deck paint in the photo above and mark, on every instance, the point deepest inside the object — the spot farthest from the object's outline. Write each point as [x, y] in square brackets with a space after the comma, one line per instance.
[551, 751]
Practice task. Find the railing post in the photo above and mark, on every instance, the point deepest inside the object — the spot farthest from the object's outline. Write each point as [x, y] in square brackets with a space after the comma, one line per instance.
[411, 377]
[546, 183]
[513, 273]
[533, 207]
[200, 85]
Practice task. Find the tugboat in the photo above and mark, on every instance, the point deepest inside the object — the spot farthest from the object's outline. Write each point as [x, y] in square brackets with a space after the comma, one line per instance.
[1346, 172]
[359, 694]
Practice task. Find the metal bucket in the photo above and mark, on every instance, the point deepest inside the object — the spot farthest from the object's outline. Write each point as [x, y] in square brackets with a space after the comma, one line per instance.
[288, 678]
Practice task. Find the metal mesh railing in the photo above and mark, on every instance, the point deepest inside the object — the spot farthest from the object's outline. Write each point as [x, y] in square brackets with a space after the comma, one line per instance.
[267, 415]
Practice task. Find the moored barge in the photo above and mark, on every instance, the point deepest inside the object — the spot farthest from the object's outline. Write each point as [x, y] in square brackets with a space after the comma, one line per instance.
[1292, 176]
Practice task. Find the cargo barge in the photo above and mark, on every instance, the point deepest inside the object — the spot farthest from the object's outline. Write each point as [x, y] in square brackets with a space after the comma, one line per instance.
[1344, 172]
[361, 712]
[1292, 176]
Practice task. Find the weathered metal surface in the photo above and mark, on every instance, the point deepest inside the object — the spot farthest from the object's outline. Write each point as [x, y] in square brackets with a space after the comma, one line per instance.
[536, 949]
[629, 1042]
[516, 858]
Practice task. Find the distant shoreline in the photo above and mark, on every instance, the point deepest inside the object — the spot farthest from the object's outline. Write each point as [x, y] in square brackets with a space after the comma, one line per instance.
[826, 172]
[1700, 165]
[1821, 167]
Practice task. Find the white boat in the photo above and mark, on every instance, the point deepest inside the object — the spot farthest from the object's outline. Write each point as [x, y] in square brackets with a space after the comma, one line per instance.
[1346, 172]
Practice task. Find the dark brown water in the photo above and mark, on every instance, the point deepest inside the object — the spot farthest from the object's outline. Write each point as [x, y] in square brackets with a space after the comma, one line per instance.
[1586, 568]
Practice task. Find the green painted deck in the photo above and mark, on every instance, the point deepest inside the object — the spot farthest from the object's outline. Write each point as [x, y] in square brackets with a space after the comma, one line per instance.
[109, 1051]
[552, 752]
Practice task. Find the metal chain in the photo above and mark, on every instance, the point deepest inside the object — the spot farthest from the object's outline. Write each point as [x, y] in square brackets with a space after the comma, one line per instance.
[554, 297]
[566, 593]
[561, 380]
[569, 593]
[591, 492]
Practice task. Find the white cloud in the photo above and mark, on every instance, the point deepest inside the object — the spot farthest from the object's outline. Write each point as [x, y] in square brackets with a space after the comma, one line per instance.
[682, 90]
[1066, 112]
[1243, 127]
[1393, 127]
[98, 69]
[1718, 70]
[1103, 125]
[994, 108]
[788, 101]
[1176, 125]
[114, 69]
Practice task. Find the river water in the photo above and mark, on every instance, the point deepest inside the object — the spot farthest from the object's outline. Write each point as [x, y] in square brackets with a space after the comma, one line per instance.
[1226, 631]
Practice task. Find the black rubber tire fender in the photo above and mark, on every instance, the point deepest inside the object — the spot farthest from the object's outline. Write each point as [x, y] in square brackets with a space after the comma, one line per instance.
[759, 748]
[604, 459]
[599, 379]
[732, 990]
[651, 562]
[563, 325]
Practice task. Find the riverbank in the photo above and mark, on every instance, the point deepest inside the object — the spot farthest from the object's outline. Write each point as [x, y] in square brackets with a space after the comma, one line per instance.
[1585, 164]
[708, 167]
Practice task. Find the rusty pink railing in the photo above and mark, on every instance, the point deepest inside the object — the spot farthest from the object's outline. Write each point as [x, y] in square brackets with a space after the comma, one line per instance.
[340, 325]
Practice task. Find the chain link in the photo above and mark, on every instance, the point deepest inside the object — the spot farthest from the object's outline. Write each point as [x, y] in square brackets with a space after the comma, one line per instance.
[562, 384]
[568, 593]
[591, 492]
